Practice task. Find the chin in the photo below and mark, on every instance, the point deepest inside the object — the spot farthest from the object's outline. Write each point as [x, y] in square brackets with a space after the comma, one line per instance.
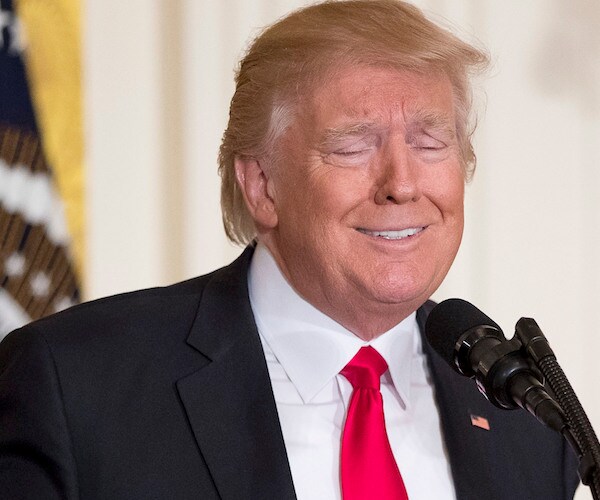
[406, 298]
[403, 288]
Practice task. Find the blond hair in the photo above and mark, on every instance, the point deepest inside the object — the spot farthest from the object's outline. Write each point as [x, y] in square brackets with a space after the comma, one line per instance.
[297, 53]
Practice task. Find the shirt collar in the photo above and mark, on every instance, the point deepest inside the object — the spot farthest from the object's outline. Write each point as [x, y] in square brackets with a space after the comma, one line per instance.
[311, 347]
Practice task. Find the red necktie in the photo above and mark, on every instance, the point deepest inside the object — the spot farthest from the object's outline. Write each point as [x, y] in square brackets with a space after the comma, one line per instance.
[368, 467]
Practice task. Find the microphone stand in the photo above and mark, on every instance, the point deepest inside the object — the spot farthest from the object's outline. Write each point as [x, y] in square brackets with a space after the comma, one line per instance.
[578, 432]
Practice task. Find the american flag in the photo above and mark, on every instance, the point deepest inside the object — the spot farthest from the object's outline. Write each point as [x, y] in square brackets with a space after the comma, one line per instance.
[481, 422]
[37, 276]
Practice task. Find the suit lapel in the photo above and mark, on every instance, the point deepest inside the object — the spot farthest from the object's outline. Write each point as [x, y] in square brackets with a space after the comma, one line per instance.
[229, 402]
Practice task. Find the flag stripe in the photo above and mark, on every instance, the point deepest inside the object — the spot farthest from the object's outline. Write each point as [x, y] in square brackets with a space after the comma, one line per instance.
[36, 272]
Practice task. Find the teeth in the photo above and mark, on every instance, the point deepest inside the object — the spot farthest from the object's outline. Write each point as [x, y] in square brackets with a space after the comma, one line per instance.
[393, 235]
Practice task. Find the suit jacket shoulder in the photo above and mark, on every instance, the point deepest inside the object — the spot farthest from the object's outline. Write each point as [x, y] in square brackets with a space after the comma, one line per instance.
[162, 393]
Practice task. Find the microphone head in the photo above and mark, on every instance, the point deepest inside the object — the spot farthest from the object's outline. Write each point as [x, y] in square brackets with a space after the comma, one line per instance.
[448, 321]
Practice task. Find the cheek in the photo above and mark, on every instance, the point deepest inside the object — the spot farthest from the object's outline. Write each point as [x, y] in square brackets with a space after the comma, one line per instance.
[303, 208]
[452, 208]
[447, 191]
[344, 189]
[330, 195]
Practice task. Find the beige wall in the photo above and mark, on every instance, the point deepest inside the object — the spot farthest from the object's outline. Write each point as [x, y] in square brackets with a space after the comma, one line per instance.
[158, 79]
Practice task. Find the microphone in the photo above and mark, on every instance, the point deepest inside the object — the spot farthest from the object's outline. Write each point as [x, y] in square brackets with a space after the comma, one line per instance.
[474, 345]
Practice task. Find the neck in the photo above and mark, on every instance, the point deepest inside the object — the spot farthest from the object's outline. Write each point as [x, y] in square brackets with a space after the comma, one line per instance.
[366, 324]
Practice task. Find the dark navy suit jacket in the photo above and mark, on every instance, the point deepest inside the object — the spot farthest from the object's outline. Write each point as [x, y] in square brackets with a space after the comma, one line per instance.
[165, 394]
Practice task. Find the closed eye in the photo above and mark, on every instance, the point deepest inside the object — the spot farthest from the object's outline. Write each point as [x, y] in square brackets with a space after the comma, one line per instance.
[357, 155]
[352, 152]
[429, 148]
[427, 142]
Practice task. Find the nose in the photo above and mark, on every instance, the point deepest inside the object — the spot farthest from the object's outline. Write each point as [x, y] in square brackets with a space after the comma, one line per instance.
[398, 181]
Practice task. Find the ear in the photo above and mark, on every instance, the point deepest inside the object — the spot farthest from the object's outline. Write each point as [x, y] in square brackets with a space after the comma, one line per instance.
[257, 189]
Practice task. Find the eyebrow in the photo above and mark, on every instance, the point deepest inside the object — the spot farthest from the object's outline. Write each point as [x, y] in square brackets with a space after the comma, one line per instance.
[333, 134]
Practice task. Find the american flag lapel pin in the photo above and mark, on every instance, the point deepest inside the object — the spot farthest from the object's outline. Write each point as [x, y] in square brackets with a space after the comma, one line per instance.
[481, 422]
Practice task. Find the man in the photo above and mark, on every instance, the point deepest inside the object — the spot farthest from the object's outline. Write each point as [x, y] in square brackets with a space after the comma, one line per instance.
[343, 167]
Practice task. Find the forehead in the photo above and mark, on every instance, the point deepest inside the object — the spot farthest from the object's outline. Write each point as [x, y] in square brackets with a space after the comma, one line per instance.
[356, 96]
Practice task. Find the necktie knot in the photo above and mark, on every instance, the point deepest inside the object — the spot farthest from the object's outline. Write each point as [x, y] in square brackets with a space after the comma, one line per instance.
[365, 369]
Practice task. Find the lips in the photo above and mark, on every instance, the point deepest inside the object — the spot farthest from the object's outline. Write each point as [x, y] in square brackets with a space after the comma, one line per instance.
[392, 235]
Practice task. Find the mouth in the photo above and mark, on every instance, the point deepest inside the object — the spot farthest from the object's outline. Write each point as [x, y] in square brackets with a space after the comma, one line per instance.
[392, 235]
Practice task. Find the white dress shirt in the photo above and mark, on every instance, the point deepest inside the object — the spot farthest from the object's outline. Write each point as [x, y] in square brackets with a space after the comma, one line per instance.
[305, 351]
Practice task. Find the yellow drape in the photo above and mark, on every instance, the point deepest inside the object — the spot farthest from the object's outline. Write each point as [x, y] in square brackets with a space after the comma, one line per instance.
[53, 61]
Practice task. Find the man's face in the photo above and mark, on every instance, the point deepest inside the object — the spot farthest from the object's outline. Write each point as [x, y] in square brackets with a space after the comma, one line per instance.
[369, 196]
